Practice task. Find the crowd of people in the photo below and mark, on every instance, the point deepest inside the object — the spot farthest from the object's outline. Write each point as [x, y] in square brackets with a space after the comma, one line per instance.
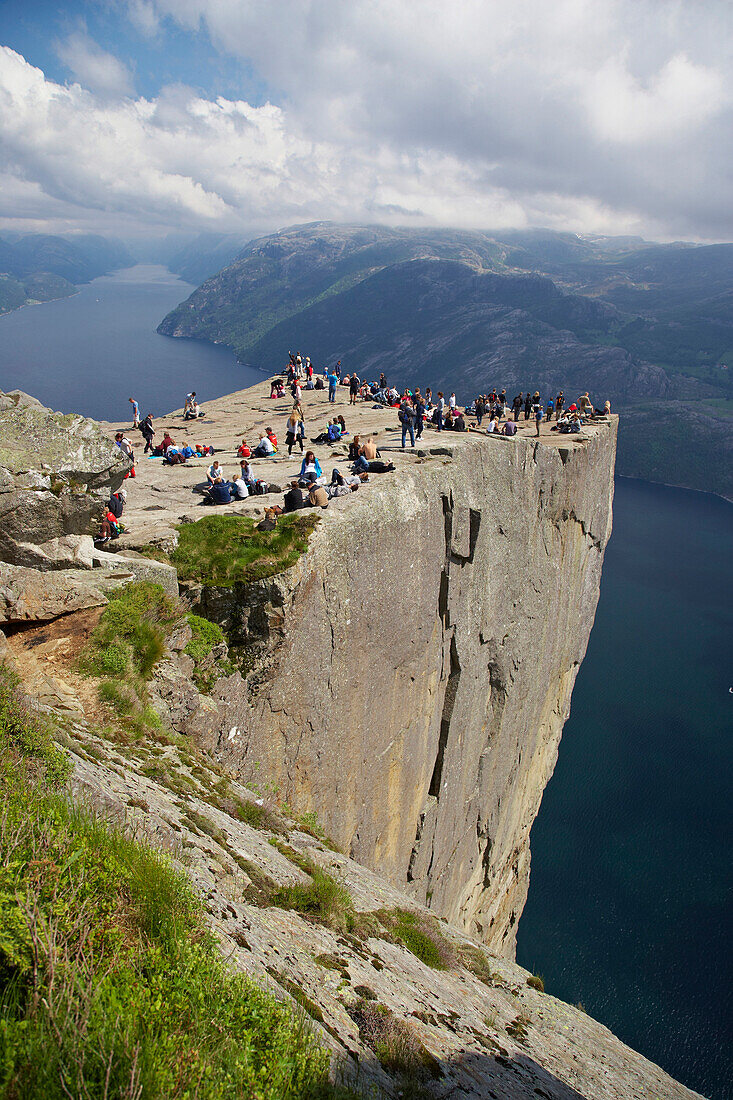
[491, 414]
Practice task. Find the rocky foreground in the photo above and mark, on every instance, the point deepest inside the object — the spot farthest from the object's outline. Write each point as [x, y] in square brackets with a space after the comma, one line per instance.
[287, 764]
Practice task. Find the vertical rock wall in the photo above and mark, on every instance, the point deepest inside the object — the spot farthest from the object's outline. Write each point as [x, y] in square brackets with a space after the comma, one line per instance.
[415, 668]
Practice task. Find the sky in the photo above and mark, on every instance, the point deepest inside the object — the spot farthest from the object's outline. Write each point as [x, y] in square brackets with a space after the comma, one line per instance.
[143, 117]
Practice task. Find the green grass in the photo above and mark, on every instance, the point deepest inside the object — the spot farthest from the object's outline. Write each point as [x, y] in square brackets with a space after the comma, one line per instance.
[419, 935]
[324, 899]
[111, 984]
[125, 647]
[131, 633]
[206, 635]
[224, 550]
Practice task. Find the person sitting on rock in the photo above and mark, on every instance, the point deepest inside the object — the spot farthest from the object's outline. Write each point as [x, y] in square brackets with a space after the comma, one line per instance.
[264, 448]
[334, 432]
[117, 503]
[243, 450]
[173, 455]
[369, 449]
[238, 488]
[214, 472]
[219, 493]
[166, 442]
[318, 497]
[459, 423]
[354, 447]
[248, 475]
[295, 498]
[310, 468]
[510, 428]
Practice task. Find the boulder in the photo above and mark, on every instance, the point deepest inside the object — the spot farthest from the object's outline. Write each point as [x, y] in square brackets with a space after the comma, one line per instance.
[56, 473]
[134, 566]
[29, 595]
[67, 552]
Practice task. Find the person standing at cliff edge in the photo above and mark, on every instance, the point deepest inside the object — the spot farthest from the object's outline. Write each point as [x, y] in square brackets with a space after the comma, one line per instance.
[135, 412]
[407, 419]
[332, 384]
[440, 409]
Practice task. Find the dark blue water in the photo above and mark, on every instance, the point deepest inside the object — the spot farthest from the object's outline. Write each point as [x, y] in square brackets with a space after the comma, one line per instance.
[89, 353]
[629, 901]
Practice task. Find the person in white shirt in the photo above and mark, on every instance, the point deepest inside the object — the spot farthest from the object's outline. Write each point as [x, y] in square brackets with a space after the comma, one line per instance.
[238, 488]
[263, 448]
[214, 471]
[452, 402]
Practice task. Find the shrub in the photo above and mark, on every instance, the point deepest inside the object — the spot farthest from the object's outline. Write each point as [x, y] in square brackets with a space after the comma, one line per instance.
[393, 1041]
[536, 982]
[26, 733]
[206, 635]
[419, 935]
[131, 633]
[324, 899]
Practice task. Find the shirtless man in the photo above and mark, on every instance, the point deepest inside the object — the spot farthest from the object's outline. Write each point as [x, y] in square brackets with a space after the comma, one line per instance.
[369, 448]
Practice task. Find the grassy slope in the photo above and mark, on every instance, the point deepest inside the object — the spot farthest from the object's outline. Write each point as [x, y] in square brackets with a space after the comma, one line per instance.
[110, 984]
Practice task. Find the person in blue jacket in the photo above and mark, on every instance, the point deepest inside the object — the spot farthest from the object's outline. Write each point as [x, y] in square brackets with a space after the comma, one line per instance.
[310, 468]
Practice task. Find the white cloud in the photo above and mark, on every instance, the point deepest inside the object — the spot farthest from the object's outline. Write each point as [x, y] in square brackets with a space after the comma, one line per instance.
[589, 115]
[93, 67]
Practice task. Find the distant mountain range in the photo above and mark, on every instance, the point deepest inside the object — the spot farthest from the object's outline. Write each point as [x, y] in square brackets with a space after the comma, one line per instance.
[39, 268]
[648, 326]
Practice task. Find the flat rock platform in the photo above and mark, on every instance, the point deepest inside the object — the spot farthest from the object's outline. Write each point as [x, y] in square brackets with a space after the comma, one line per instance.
[162, 496]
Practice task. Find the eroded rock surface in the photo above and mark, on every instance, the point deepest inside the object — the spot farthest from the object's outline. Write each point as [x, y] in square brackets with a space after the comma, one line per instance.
[56, 472]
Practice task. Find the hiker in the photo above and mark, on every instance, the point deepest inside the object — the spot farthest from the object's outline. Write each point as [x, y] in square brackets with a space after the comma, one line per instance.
[264, 448]
[440, 409]
[148, 432]
[510, 428]
[295, 497]
[243, 450]
[310, 468]
[375, 466]
[354, 383]
[559, 402]
[354, 448]
[549, 410]
[459, 423]
[291, 429]
[419, 406]
[406, 417]
[219, 493]
[369, 449]
[539, 413]
[527, 406]
[214, 472]
[238, 487]
[332, 384]
[517, 405]
[479, 408]
[135, 412]
[117, 502]
[318, 497]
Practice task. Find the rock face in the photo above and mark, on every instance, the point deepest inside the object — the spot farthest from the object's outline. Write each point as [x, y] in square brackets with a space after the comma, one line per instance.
[56, 472]
[413, 672]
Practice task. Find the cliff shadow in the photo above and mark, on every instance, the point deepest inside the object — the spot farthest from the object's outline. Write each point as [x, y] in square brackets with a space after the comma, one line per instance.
[496, 1077]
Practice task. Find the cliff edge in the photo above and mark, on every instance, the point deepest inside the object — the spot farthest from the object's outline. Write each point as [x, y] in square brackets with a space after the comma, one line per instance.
[413, 672]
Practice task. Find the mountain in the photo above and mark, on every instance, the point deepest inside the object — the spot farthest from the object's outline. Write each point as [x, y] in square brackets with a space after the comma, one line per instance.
[648, 326]
[39, 267]
[203, 256]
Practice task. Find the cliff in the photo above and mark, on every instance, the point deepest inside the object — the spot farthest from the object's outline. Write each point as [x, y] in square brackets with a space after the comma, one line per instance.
[413, 672]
